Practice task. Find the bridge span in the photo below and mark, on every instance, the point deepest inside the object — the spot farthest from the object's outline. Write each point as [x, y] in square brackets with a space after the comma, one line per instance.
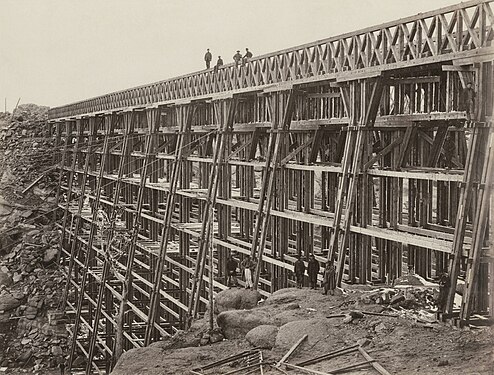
[364, 149]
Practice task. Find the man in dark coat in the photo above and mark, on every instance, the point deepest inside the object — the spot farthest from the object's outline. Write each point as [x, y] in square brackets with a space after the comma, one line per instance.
[247, 56]
[468, 98]
[449, 151]
[237, 58]
[208, 57]
[313, 271]
[444, 285]
[218, 64]
[329, 278]
[231, 271]
[299, 269]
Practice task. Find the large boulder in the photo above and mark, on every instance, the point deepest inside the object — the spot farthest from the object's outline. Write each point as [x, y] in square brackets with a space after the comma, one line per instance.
[5, 279]
[236, 323]
[51, 255]
[317, 330]
[8, 302]
[287, 296]
[263, 336]
[236, 299]
[153, 360]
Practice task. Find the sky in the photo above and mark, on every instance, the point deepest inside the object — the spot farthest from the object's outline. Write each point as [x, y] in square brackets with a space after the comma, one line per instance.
[55, 52]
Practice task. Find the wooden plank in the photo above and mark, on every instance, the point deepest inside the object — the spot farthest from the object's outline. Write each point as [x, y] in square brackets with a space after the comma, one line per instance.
[456, 68]
[386, 150]
[305, 370]
[352, 366]
[376, 365]
[291, 350]
[329, 355]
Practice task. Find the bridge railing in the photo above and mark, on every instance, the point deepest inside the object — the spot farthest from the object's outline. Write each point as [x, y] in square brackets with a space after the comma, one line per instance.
[424, 38]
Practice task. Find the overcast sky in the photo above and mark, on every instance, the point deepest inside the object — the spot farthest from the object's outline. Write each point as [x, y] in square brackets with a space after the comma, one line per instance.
[54, 52]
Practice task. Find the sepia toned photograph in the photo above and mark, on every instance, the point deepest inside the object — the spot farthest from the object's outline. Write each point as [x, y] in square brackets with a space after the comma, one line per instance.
[256, 187]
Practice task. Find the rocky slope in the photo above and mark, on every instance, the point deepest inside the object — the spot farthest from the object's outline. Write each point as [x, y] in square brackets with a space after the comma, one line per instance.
[32, 337]
[403, 340]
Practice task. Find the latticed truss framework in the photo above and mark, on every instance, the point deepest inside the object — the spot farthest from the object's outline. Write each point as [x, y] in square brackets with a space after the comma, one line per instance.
[361, 156]
[431, 37]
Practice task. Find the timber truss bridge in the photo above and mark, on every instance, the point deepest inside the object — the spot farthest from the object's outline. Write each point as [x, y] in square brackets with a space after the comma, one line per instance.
[357, 148]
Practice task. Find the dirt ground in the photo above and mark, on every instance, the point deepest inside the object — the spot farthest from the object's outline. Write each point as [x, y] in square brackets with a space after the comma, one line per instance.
[400, 344]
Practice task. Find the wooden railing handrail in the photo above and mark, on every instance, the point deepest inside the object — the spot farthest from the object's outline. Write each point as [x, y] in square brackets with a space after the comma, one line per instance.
[421, 38]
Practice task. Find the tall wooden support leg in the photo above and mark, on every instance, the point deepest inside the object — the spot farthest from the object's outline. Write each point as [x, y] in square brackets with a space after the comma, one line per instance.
[478, 233]
[78, 215]
[184, 116]
[89, 256]
[461, 216]
[281, 117]
[362, 105]
[225, 111]
[151, 116]
[62, 171]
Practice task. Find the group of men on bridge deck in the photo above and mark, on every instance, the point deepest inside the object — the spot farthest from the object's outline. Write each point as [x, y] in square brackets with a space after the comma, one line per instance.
[238, 58]
[248, 267]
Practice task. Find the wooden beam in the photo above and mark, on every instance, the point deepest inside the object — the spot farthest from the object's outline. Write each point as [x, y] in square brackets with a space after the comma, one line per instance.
[289, 353]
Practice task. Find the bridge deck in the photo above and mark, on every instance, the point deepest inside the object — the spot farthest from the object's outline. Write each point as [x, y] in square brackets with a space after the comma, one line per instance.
[455, 33]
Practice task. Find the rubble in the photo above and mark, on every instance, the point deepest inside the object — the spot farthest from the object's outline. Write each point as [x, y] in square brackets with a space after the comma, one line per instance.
[26, 152]
[32, 336]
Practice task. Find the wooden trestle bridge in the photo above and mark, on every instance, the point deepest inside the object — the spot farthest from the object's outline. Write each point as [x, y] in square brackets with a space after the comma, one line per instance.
[354, 148]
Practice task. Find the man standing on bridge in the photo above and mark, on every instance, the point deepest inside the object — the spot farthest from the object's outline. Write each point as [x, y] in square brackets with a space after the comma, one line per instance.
[237, 58]
[247, 56]
[218, 64]
[208, 57]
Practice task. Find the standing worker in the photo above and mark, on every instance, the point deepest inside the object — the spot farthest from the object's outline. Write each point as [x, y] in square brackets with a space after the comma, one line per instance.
[237, 58]
[246, 267]
[247, 56]
[313, 271]
[444, 285]
[449, 150]
[469, 102]
[208, 57]
[299, 268]
[231, 271]
[218, 63]
[329, 278]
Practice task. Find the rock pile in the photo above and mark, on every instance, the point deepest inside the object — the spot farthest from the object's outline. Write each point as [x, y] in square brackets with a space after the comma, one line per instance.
[408, 298]
[30, 292]
[32, 333]
[26, 152]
